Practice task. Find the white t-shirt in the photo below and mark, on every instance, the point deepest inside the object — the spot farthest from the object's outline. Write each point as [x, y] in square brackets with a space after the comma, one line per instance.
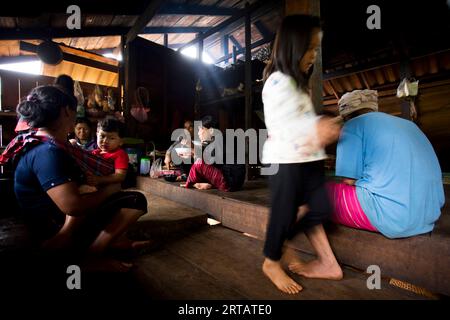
[291, 122]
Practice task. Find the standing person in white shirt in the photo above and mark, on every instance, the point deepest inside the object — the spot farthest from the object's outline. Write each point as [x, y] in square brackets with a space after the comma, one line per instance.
[296, 140]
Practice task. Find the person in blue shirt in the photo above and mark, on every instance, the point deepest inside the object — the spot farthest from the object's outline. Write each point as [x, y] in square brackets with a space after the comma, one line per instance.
[392, 178]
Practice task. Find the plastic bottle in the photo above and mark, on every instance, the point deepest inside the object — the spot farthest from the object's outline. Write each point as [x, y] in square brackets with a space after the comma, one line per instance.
[144, 168]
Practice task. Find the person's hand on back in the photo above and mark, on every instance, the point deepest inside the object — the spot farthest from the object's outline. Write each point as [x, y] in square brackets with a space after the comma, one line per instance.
[328, 130]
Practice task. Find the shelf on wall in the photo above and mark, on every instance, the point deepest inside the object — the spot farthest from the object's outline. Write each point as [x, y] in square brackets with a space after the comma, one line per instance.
[8, 114]
[257, 88]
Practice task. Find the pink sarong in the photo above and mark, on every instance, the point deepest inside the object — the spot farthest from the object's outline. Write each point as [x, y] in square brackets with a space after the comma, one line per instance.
[346, 208]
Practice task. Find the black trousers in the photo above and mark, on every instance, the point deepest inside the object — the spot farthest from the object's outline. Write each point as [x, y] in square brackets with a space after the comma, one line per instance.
[292, 186]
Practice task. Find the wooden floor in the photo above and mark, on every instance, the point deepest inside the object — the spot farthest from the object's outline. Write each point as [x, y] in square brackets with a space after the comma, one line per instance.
[218, 263]
[190, 260]
[198, 261]
[417, 260]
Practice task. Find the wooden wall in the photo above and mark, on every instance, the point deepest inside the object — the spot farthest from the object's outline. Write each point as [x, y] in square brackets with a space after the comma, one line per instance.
[170, 79]
[10, 95]
[433, 106]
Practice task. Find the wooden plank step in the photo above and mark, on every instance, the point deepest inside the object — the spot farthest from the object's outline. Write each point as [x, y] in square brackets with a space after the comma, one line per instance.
[418, 260]
[165, 218]
[219, 263]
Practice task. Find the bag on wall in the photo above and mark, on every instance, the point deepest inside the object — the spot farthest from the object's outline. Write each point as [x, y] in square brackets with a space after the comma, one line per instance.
[141, 108]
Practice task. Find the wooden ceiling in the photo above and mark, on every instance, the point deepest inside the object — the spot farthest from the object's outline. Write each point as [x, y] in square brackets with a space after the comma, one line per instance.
[181, 20]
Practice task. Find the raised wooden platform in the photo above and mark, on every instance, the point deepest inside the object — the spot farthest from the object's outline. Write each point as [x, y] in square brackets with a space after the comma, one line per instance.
[422, 260]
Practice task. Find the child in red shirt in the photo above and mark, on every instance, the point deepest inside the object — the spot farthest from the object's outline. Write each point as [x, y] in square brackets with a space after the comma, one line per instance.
[110, 133]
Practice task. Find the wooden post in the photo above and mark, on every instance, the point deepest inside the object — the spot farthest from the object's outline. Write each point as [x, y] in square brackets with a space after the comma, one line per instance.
[200, 48]
[248, 83]
[129, 60]
[225, 48]
[234, 55]
[311, 7]
[122, 74]
[166, 40]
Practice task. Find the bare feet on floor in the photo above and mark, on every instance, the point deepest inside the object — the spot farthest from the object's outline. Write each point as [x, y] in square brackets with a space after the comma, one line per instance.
[274, 271]
[202, 186]
[318, 269]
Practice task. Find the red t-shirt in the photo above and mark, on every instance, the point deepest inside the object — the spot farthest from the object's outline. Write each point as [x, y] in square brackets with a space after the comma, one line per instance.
[119, 156]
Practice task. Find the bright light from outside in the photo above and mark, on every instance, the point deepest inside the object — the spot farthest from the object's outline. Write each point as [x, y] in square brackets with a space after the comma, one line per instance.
[191, 52]
[32, 67]
[113, 56]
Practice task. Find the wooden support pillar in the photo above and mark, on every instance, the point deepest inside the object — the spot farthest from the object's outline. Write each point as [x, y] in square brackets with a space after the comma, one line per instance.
[405, 72]
[166, 40]
[129, 66]
[225, 47]
[248, 83]
[248, 72]
[122, 73]
[311, 7]
[234, 56]
[200, 48]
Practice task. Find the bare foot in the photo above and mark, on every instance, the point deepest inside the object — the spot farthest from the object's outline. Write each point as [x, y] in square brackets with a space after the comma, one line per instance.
[274, 271]
[318, 269]
[102, 264]
[202, 186]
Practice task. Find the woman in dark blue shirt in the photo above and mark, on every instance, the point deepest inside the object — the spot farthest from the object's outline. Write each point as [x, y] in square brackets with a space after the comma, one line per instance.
[46, 185]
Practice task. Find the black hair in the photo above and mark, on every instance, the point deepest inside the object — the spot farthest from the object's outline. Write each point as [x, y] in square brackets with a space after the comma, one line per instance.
[208, 122]
[43, 105]
[83, 120]
[111, 124]
[66, 82]
[291, 43]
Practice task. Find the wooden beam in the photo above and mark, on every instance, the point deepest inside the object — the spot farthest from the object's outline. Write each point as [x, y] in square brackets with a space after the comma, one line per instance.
[158, 30]
[166, 40]
[268, 8]
[227, 22]
[266, 33]
[52, 33]
[248, 84]
[200, 48]
[121, 83]
[225, 47]
[364, 79]
[29, 47]
[143, 20]
[234, 55]
[332, 90]
[242, 50]
[18, 59]
[235, 42]
[197, 10]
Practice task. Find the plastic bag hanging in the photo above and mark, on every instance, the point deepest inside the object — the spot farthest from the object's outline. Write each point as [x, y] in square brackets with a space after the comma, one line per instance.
[140, 109]
[408, 89]
[78, 92]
